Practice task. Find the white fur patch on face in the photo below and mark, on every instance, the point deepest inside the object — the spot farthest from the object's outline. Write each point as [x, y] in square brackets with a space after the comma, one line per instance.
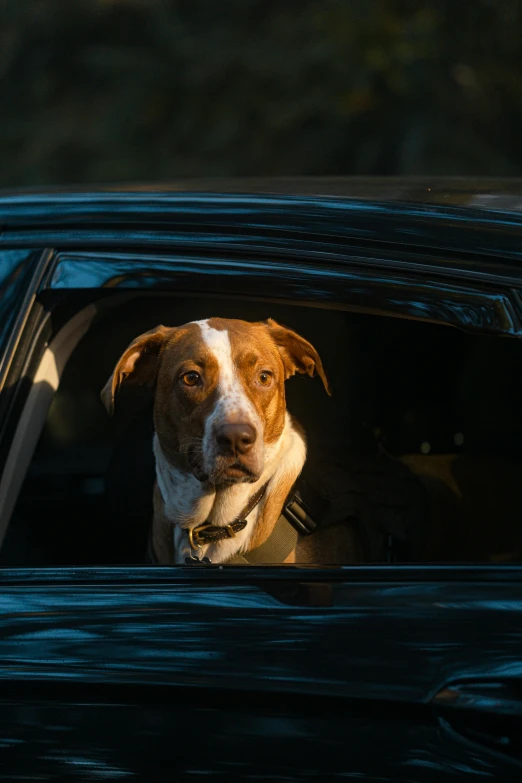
[232, 405]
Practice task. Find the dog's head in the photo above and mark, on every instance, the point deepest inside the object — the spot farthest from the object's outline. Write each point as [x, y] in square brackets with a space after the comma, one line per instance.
[220, 398]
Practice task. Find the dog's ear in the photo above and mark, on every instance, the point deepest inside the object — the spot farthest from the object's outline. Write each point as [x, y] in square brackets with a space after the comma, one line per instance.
[138, 364]
[298, 354]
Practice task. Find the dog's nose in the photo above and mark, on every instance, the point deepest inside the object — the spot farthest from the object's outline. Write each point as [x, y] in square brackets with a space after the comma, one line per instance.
[234, 439]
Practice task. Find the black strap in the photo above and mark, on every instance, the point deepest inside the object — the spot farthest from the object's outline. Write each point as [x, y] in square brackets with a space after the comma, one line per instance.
[299, 514]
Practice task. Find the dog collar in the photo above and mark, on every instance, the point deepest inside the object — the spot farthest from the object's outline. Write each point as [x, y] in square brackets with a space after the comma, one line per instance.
[206, 533]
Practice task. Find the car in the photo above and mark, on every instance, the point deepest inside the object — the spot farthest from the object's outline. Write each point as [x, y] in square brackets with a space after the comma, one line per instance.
[401, 669]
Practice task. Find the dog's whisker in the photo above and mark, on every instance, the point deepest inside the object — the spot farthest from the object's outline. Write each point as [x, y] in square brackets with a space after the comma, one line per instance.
[192, 442]
[184, 452]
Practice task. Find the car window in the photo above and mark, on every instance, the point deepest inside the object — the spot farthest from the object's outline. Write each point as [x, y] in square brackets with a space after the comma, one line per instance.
[415, 453]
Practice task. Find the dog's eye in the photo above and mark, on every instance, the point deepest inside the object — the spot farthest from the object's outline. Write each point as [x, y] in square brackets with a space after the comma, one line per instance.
[190, 378]
[264, 378]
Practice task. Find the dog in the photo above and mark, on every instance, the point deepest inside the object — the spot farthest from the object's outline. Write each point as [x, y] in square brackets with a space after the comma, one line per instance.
[227, 451]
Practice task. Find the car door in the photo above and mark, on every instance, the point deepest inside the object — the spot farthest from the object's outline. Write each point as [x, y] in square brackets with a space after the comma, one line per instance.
[383, 673]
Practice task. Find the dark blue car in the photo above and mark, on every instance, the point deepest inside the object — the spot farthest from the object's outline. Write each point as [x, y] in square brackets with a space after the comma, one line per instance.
[401, 668]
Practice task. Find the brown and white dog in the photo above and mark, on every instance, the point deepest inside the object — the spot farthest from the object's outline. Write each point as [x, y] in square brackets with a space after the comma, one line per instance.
[222, 431]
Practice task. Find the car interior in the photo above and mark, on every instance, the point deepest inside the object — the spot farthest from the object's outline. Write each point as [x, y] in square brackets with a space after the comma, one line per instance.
[439, 403]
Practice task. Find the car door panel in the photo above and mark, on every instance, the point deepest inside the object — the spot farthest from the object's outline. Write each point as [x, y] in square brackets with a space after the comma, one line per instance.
[301, 674]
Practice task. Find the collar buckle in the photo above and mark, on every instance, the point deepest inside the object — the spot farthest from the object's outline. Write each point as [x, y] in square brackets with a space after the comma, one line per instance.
[194, 534]
[207, 533]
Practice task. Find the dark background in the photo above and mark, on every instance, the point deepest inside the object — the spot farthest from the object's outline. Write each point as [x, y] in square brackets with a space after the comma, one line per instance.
[128, 90]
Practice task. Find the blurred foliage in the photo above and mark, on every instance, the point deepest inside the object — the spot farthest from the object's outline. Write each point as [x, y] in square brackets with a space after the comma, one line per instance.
[118, 90]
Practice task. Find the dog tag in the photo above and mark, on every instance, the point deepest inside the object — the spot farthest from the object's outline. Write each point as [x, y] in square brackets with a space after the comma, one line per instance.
[191, 560]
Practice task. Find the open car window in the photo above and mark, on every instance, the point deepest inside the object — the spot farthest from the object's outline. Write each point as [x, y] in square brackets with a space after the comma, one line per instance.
[433, 436]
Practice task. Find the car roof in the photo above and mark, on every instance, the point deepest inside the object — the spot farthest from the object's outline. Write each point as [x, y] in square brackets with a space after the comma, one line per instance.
[484, 193]
[482, 217]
